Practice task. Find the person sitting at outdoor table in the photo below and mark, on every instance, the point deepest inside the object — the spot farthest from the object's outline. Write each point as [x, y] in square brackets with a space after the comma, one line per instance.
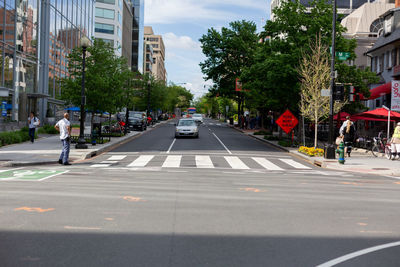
[395, 142]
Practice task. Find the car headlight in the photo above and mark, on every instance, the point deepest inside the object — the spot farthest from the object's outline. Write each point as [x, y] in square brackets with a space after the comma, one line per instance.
[177, 130]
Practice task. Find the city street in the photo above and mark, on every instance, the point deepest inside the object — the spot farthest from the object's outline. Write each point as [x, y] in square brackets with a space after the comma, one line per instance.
[223, 199]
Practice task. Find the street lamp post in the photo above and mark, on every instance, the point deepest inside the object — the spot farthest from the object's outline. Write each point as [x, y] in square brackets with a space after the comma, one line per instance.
[148, 97]
[330, 149]
[85, 42]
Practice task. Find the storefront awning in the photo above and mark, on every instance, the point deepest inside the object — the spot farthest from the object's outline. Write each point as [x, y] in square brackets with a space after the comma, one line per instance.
[381, 90]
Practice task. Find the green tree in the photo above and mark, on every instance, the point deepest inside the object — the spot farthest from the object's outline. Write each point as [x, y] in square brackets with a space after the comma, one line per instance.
[106, 78]
[273, 78]
[228, 52]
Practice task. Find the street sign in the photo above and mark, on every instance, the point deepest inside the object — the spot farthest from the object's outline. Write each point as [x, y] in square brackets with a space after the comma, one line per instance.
[287, 121]
[325, 92]
[4, 109]
[341, 55]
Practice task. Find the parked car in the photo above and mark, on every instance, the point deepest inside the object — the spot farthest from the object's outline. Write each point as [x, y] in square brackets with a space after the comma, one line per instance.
[137, 120]
[197, 118]
[186, 127]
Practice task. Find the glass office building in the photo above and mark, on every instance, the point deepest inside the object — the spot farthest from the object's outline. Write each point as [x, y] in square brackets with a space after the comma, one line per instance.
[137, 35]
[35, 39]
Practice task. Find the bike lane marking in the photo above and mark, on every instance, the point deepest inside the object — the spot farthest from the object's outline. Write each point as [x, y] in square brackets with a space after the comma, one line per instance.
[29, 175]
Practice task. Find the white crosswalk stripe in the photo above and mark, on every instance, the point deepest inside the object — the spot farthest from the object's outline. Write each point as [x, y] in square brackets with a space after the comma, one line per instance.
[204, 162]
[267, 164]
[117, 157]
[172, 162]
[294, 164]
[236, 163]
[141, 161]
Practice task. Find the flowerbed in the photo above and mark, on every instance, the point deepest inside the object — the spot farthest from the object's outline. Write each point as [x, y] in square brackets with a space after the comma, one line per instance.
[311, 151]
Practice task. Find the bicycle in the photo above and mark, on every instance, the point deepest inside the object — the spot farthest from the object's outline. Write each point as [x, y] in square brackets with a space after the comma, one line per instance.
[381, 147]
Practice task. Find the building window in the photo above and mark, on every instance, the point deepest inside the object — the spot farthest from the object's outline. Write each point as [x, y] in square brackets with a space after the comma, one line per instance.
[104, 13]
[376, 26]
[394, 57]
[119, 32]
[120, 4]
[155, 45]
[119, 18]
[111, 2]
[107, 41]
[104, 28]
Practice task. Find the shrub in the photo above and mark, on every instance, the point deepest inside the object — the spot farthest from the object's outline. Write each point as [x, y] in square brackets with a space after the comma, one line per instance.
[311, 151]
[8, 138]
[271, 138]
[47, 129]
[285, 143]
[262, 132]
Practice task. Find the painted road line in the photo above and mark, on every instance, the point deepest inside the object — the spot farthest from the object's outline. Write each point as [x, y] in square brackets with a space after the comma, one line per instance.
[358, 253]
[204, 162]
[236, 163]
[267, 164]
[109, 162]
[222, 143]
[45, 178]
[294, 164]
[170, 147]
[100, 165]
[172, 162]
[117, 157]
[141, 161]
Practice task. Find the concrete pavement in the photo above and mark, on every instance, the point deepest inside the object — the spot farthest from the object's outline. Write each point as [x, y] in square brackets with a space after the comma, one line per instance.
[361, 161]
[47, 148]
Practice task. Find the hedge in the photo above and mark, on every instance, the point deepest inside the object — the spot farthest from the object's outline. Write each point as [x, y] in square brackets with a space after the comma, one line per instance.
[8, 138]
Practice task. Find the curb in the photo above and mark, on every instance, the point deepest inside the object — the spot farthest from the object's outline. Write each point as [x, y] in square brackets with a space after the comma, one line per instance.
[88, 155]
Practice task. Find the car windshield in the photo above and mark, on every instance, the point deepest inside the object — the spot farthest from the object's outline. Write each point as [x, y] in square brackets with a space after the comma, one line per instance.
[135, 115]
[186, 123]
[196, 115]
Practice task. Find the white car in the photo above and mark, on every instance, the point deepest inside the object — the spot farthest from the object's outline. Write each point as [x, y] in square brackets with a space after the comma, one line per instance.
[197, 118]
[186, 127]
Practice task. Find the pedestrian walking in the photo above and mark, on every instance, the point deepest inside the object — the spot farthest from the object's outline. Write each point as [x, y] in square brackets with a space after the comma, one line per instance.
[33, 122]
[348, 132]
[64, 127]
[395, 142]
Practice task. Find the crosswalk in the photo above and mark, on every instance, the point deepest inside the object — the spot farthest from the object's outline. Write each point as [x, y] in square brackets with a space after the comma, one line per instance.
[201, 162]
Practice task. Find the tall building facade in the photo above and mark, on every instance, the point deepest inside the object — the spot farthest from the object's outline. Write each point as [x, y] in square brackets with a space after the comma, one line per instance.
[108, 23]
[344, 7]
[158, 63]
[35, 39]
[137, 35]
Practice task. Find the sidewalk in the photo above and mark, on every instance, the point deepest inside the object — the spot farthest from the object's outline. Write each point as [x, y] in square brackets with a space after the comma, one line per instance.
[47, 148]
[361, 161]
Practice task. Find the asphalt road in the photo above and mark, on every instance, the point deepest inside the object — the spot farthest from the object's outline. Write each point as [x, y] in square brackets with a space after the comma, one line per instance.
[224, 199]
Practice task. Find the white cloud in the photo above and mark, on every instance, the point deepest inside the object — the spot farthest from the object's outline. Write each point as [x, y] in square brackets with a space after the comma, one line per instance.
[172, 41]
[172, 11]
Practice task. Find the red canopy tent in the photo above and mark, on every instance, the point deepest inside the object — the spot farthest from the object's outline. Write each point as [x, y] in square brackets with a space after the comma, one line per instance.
[379, 114]
[342, 116]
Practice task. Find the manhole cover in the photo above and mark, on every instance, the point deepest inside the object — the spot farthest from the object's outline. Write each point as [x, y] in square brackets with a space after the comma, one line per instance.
[380, 169]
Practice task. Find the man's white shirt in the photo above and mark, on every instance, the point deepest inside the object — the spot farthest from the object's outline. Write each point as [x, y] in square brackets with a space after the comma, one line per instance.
[62, 125]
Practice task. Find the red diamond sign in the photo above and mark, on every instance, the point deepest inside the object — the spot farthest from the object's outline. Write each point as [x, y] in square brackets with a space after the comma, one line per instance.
[287, 121]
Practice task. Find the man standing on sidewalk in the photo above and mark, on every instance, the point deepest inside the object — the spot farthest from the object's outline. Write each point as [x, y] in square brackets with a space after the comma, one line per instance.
[33, 122]
[64, 127]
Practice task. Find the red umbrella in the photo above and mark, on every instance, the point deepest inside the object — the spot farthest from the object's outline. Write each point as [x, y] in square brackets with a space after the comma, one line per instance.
[376, 114]
[342, 117]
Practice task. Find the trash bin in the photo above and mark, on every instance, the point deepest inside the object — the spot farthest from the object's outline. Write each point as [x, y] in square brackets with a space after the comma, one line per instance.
[329, 151]
[231, 121]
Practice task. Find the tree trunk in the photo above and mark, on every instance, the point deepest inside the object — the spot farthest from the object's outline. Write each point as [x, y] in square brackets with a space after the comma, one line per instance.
[316, 134]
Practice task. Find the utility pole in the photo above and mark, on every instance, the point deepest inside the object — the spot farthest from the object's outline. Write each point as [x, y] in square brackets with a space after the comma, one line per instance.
[330, 149]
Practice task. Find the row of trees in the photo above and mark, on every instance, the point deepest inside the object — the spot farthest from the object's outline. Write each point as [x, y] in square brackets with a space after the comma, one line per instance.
[268, 63]
[111, 86]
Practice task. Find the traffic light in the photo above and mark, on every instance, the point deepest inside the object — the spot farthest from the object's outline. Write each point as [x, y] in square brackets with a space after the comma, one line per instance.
[338, 92]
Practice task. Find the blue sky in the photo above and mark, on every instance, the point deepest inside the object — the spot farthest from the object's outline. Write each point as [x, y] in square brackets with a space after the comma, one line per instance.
[183, 22]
